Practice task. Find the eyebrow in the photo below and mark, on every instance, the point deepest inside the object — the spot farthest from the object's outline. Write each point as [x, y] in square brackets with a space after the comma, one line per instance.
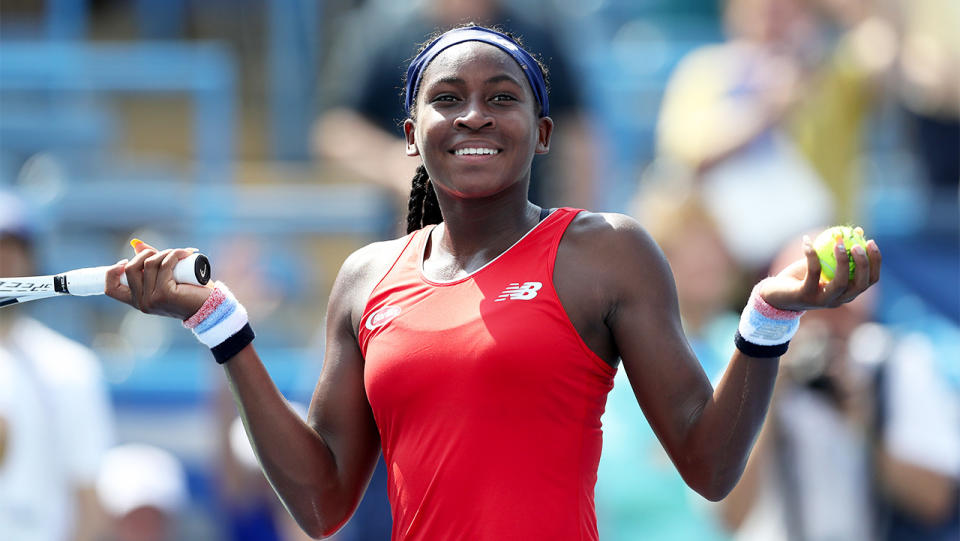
[495, 79]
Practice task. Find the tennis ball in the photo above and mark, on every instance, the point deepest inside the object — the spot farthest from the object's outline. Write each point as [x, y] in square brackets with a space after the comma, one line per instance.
[828, 239]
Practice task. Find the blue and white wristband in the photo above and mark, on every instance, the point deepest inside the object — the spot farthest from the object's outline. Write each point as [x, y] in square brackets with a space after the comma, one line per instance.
[765, 331]
[221, 324]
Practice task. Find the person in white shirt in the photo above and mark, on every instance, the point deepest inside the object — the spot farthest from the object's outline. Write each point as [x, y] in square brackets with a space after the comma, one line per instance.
[55, 415]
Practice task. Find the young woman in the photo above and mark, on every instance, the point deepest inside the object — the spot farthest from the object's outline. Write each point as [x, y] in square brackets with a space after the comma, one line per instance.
[477, 352]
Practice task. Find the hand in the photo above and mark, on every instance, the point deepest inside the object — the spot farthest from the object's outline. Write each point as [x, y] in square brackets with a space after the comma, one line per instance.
[798, 286]
[152, 289]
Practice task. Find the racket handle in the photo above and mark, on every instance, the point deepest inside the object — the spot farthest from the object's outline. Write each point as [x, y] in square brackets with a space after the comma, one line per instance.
[193, 269]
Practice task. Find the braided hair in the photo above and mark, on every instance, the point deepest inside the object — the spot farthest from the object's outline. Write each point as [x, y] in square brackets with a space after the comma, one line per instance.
[423, 208]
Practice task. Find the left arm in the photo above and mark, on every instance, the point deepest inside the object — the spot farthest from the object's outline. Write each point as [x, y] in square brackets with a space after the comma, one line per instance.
[707, 432]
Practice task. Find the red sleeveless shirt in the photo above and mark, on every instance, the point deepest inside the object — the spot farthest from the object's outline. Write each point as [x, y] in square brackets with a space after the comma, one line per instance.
[487, 400]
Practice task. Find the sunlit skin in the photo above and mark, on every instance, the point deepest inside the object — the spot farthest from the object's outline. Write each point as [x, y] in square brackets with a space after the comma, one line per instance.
[612, 279]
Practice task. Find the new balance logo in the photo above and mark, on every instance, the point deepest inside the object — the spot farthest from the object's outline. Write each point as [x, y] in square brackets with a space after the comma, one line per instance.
[520, 292]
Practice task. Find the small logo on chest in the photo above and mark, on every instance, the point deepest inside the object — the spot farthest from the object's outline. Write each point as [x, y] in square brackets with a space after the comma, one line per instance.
[382, 316]
[520, 292]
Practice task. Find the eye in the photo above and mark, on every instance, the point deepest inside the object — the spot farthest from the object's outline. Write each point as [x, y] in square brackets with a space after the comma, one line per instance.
[447, 98]
[503, 97]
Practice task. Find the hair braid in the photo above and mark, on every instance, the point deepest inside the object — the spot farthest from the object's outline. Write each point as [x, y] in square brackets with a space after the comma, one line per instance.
[422, 208]
[431, 206]
[418, 192]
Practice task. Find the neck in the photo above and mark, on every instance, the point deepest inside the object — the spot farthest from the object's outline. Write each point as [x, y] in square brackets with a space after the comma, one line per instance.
[474, 231]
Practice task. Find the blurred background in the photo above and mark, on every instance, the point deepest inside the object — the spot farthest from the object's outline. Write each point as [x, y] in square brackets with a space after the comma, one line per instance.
[266, 134]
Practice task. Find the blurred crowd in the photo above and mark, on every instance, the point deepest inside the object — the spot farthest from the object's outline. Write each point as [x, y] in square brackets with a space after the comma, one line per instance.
[775, 119]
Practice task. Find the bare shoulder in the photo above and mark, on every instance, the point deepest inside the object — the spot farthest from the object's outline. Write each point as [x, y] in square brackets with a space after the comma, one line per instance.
[610, 234]
[371, 261]
[616, 253]
[606, 263]
[361, 272]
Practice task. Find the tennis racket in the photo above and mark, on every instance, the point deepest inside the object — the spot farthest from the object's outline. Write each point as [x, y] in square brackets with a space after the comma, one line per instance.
[193, 269]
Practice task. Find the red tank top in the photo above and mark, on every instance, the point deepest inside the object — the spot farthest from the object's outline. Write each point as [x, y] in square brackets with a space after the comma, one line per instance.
[487, 400]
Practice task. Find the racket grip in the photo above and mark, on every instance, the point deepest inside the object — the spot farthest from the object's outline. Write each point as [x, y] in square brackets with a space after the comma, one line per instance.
[193, 269]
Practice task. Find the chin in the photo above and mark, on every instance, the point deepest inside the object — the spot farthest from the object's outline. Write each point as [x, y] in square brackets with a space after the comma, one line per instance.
[478, 188]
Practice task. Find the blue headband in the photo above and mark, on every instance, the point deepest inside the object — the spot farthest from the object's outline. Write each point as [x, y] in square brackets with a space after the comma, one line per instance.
[477, 33]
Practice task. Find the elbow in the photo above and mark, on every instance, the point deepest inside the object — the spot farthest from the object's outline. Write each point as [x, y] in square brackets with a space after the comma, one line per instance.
[318, 527]
[321, 518]
[715, 493]
[712, 482]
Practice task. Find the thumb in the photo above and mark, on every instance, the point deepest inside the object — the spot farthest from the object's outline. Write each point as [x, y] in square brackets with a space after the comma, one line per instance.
[812, 280]
[113, 287]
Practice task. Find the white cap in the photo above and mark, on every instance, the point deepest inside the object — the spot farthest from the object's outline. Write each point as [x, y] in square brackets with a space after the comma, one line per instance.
[137, 475]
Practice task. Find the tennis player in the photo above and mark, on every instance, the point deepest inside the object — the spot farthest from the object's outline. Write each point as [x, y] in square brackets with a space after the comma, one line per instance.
[477, 351]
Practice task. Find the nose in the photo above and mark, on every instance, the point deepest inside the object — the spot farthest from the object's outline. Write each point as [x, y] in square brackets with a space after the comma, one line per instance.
[474, 116]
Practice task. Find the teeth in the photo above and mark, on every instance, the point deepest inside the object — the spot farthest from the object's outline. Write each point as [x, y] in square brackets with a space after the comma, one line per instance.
[466, 151]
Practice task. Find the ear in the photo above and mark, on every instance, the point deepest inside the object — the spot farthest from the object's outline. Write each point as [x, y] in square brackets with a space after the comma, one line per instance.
[544, 133]
[409, 133]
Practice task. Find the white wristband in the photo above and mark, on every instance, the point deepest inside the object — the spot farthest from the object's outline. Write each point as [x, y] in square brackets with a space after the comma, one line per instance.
[220, 317]
[225, 328]
[766, 325]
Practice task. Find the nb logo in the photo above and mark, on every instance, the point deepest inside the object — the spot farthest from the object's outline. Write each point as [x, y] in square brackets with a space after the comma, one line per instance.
[520, 292]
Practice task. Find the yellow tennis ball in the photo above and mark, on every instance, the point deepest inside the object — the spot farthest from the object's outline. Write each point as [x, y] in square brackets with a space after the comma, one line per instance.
[828, 239]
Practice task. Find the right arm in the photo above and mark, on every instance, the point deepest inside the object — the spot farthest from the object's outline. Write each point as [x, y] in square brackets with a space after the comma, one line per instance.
[349, 139]
[321, 467]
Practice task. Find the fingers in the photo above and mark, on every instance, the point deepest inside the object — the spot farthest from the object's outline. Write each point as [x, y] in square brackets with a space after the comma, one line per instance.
[142, 273]
[835, 289]
[151, 273]
[113, 287]
[866, 271]
[799, 286]
[861, 275]
[169, 261]
[134, 273]
[152, 288]
[139, 246]
[811, 282]
[182, 253]
[873, 253]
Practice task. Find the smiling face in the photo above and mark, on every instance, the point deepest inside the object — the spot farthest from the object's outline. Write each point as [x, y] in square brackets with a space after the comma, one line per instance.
[477, 126]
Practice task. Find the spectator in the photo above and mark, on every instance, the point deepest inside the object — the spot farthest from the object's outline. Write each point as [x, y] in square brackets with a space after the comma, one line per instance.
[55, 415]
[772, 119]
[918, 445]
[144, 489]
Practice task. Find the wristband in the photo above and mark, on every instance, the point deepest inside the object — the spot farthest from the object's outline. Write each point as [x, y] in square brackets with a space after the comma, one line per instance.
[221, 324]
[762, 352]
[764, 330]
[231, 346]
[212, 302]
